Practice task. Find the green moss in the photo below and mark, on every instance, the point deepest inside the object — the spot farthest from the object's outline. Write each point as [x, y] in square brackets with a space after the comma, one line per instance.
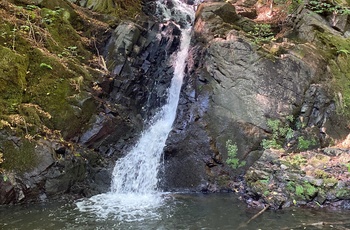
[310, 190]
[295, 161]
[56, 91]
[266, 193]
[321, 174]
[330, 182]
[62, 33]
[290, 186]
[223, 181]
[20, 157]
[335, 50]
[343, 194]
[48, 88]
[119, 9]
[13, 68]
[302, 191]
[299, 191]
[260, 186]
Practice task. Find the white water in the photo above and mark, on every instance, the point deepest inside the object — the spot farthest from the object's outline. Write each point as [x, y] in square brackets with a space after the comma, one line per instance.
[134, 195]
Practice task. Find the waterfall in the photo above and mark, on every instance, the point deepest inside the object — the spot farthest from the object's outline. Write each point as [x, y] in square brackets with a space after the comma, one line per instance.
[134, 193]
[137, 171]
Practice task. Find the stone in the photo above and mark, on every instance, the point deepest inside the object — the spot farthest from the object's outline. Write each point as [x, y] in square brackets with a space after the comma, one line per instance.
[339, 22]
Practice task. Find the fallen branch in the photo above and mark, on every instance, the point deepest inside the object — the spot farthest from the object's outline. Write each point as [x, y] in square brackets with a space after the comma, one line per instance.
[258, 214]
[101, 60]
[254, 217]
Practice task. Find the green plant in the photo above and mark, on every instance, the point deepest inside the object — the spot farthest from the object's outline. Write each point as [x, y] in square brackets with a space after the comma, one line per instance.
[294, 5]
[348, 166]
[265, 181]
[294, 161]
[32, 7]
[232, 158]
[323, 7]
[290, 186]
[310, 190]
[330, 181]
[24, 28]
[50, 16]
[270, 144]
[44, 65]
[343, 51]
[304, 144]
[70, 51]
[320, 174]
[262, 33]
[297, 160]
[280, 132]
[299, 190]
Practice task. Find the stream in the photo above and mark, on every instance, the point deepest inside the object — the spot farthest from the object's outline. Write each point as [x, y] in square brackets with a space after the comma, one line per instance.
[178, 211]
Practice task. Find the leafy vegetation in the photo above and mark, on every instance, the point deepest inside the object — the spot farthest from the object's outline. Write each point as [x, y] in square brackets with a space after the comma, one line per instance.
[324, 7]
[299, 190]
[232, 159]
[280, 132]
[304, 144]
[262, 33]
[296, 160]
[283, 132]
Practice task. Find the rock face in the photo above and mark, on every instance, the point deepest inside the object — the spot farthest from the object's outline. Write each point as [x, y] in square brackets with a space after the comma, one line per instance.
[48, 170]
[139, 58]
[233, 89]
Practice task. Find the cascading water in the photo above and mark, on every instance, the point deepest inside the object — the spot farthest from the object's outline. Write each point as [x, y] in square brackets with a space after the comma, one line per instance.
[134, 193]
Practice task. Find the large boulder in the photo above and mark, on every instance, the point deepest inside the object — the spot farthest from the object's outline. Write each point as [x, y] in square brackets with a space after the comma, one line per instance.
[45, 170]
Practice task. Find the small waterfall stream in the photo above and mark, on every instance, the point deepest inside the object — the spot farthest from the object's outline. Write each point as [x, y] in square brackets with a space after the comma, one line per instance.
[134, 194]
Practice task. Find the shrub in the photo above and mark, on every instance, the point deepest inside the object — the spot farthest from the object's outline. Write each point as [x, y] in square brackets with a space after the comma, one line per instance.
[304, 144]
[232, 159]
[280, 132]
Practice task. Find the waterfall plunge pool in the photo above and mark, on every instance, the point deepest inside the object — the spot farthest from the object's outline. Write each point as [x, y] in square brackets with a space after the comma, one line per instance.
[178, 211]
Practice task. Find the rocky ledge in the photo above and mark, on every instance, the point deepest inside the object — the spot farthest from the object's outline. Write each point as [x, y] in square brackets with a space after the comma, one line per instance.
[311, 178]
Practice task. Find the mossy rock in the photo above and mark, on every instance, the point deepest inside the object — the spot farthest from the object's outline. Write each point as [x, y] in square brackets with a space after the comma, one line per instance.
[56, 90]
[336, 50]
[13, 69]
[343, 194]
[20, 157]
[119, 9]
[63, 35]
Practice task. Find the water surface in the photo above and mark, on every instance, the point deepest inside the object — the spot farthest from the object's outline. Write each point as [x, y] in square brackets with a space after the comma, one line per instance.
[179, 211]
